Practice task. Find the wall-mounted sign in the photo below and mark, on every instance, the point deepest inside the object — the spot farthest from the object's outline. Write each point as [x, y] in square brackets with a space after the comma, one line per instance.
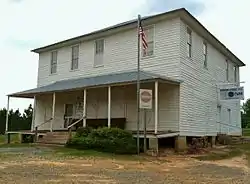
[145, 99]
[232, 93]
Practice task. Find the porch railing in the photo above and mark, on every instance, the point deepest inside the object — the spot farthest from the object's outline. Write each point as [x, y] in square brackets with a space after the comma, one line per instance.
[73, 124]
[36, 128]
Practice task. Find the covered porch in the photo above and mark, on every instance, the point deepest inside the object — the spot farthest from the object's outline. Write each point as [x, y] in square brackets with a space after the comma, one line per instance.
[108, 100]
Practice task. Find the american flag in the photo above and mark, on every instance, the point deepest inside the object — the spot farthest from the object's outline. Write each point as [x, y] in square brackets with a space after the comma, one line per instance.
[143, 38]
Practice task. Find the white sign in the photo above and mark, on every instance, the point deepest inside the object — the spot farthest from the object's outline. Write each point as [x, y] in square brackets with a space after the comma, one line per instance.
[232, 93]
[145, 99]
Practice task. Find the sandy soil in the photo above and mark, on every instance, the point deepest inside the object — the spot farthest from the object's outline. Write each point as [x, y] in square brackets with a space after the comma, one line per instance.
[29, 167]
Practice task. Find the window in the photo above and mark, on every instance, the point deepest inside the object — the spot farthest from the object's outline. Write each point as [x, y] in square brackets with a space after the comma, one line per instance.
[189, 43]
[99, 50]
[227, 70]
[219, 118]
[74, 57]
[149, 33]
[53, 62]
[229, 116]
[235, 73]
[205, 54]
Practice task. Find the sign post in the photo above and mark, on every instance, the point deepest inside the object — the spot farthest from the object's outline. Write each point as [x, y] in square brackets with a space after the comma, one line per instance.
[145, 103]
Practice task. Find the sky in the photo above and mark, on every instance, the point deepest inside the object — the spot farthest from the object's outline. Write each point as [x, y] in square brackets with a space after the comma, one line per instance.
[28, 24]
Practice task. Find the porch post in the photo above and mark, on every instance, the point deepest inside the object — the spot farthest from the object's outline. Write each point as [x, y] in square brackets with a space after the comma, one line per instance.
[53, 111]
[156, 106]
[33, 115]
[84, 107]
[7, 115]
[109, 106]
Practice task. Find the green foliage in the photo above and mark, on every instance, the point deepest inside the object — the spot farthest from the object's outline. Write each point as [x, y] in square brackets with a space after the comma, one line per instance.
[83, 131]
[245, 114]
[17, 121]
[113, 140]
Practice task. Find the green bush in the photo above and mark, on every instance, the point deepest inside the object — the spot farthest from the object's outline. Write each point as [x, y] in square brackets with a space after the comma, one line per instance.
[113, 140]
[83, 131]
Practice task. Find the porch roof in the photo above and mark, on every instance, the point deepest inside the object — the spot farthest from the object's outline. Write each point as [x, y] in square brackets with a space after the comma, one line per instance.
[95, 81]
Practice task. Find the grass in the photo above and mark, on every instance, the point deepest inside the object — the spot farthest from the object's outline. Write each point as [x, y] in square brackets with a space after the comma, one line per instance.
[64, 152]
[246, 131]
[14, 138]
[70, 152]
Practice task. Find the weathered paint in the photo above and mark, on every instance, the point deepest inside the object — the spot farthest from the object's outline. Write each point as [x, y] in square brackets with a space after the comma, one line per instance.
[199, 91]
[123, 105]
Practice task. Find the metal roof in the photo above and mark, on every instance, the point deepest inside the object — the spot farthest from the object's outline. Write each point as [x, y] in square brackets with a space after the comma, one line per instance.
[95, 81]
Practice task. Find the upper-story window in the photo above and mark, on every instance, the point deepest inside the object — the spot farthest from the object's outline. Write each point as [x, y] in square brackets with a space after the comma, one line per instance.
[149, 34]
[53, 62]
[227, 70]
[74, 57]
[189, 43]
[205, 54]
[99, 51]
[235, 73]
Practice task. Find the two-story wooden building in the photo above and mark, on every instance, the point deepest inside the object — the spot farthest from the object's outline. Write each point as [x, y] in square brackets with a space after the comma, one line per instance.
[93, 77]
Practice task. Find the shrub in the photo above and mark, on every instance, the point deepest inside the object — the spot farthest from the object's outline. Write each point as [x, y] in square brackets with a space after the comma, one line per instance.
[83, 131]
[113, 140]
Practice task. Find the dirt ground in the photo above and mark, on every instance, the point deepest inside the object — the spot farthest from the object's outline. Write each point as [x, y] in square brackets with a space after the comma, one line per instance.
[31, 166]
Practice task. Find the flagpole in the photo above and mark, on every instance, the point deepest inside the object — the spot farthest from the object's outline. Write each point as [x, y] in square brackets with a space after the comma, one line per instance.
[138, 85]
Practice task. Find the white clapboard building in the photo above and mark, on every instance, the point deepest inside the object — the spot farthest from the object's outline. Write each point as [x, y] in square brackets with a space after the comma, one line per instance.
[91, 80]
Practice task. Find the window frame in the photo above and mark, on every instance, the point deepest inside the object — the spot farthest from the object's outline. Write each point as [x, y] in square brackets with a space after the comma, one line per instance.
[72, 58]
[189, 42]
[96, 54]
[52, 63]
[204, 45]
[153, 42]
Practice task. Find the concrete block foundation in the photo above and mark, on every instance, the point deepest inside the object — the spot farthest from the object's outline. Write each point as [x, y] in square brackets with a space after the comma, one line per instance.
[153, 144]
[180, 143]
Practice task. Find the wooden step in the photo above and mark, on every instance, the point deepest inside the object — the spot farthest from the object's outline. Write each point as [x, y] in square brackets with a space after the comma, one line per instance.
[54, 138]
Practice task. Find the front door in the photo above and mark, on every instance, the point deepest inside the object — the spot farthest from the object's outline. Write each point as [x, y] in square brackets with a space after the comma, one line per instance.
[68, 113]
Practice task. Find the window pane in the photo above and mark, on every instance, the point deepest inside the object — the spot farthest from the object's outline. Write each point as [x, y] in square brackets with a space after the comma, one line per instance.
[204, 48]
[227, 70]
[189, 51]
[74, 64]
[98, 60]
[75, 52]
[99, 46]
[53, 68]
[99, 50]
[189, 36]
[54, 56]
[235, 73]
[53, 62]
[75, 56]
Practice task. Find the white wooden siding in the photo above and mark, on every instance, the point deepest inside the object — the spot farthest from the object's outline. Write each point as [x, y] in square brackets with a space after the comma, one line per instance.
[198, 92]
[123, 105]
[120, 54]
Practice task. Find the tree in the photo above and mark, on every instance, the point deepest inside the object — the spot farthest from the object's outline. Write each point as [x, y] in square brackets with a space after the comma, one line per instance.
[17, 121]
[245, 114]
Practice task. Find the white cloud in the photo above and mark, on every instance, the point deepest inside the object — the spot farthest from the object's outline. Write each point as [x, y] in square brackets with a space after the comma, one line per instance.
[229, 22]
